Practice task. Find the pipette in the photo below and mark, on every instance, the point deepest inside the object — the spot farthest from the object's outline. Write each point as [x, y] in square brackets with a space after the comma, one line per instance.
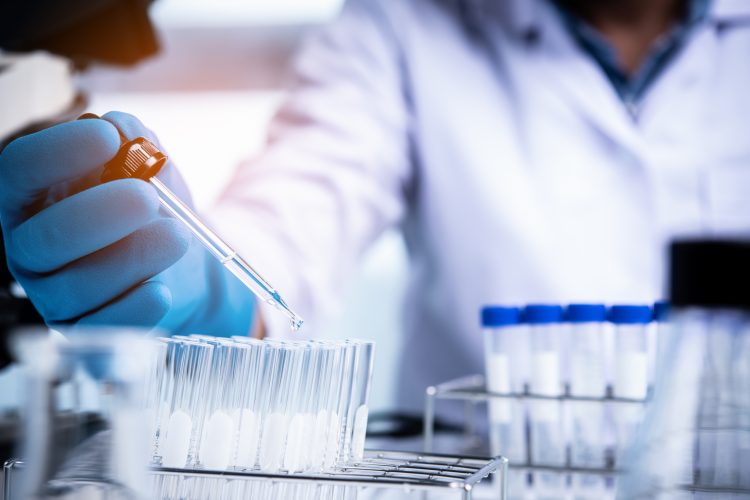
[140, 159]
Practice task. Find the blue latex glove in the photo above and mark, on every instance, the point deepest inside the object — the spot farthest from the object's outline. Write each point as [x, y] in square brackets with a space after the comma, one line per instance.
[105, 254]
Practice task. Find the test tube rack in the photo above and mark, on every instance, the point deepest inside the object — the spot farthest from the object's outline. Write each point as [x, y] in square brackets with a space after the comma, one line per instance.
[405, 471]
[472, 390]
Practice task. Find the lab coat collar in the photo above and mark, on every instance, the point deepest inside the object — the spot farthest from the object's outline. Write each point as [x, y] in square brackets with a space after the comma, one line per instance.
[531, 22]
[518, 17]
[522, 19]
[536, 24]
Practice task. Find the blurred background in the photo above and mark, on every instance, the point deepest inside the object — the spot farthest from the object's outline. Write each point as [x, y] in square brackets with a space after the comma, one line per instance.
[222, 63]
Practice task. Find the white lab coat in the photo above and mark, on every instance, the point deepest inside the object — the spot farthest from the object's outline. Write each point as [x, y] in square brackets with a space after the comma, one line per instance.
[516, 172]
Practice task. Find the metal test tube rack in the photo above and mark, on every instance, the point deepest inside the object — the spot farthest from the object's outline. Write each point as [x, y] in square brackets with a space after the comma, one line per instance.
[471, 389]
[405, 471]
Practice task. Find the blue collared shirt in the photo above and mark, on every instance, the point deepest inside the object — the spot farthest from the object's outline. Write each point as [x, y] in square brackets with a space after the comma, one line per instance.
[631, 88]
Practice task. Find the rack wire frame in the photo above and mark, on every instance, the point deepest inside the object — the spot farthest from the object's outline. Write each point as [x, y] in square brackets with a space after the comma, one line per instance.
[471, 389]
[407, 471]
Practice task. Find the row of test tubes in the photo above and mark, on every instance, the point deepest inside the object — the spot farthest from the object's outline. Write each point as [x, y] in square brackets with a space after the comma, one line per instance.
[269, 405]
[578, 376]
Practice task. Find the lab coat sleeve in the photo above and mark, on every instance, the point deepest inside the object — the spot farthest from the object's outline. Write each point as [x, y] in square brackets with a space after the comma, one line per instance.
[334, 171]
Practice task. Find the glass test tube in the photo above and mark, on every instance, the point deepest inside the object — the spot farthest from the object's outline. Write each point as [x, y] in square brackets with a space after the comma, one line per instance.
[358, 407]
[191, 364]
[317, 407]
[299, 423]
[503, 374]
[248, 439]
[156, 402]
[216, 440]
[346, 380]
[326, 421]
[588, 378]
[546, 423]
[506, 362]
[276, 415]
[630, 325]
[316, 404]
[240, 380]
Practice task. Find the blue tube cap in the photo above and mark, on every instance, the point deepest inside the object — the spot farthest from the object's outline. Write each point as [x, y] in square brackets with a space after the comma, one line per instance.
[586, 313]
[661, 311]
[630, 314]
[542, 313]
[494, 316]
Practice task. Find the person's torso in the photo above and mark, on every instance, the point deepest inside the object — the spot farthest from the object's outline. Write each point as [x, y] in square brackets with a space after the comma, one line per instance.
[535, 183]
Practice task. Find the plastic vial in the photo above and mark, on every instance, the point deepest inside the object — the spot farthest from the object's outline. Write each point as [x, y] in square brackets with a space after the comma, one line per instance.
[588, 378]
[505, 355]
[631, 331]
[545, 416]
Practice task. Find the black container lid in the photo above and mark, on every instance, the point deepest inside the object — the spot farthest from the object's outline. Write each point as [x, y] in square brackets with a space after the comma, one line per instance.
[710, 273]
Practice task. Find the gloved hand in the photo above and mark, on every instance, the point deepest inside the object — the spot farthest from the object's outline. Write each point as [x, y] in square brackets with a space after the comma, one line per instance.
[105, 254]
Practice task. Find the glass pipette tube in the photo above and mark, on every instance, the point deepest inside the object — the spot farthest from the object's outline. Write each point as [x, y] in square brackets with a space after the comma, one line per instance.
[223, 252]
[140, 158]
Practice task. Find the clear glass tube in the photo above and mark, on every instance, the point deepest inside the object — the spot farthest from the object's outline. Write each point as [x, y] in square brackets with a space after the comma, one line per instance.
[358, 407]
[189, 363]
[224, 253]
[249, 405]
[506, 371]
[630, 381]
[546, 419]
[587, 378]
[156, 403]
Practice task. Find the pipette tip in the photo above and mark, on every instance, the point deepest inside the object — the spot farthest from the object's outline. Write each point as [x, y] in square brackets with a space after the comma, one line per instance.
[296, 323]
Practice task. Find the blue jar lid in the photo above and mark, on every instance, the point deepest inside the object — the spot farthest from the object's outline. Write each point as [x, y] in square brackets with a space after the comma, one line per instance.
[542, 313]
[630, 314]
[586, 313]
[661, 310]
[500, 316]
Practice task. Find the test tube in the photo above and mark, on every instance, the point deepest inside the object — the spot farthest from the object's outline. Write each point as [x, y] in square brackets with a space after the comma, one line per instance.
[547, 434]
[240, 380]
[506, 361]
[346, 380]
[189, 361]
[358, 406]
[630, 324]
[588, 378]
[139, 158]
[300, 422]
[156, 399]
[325, 443]
[248, 438]
[218, 431]
[316, 405]
[280, 378]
